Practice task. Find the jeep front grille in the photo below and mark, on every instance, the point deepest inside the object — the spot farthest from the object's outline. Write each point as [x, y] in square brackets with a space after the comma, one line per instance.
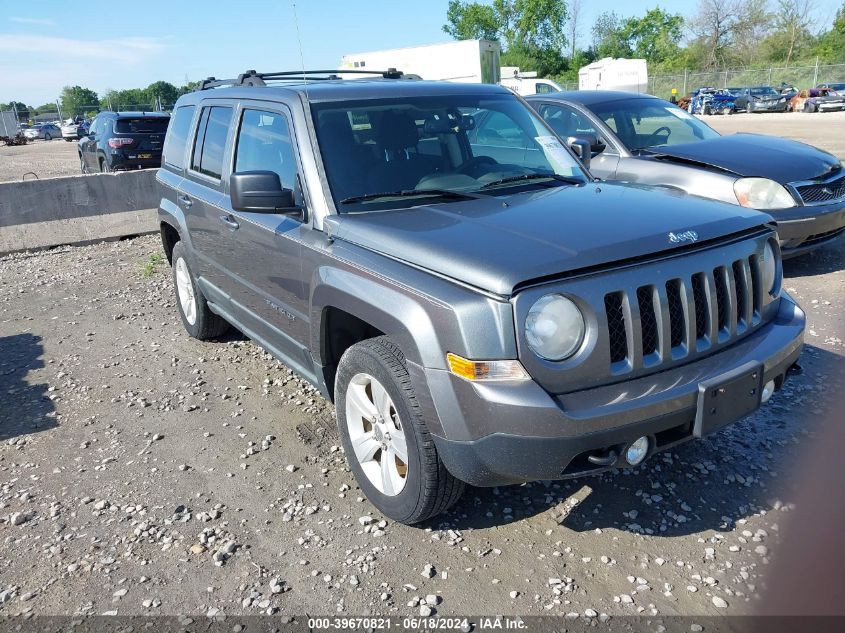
[684, 315]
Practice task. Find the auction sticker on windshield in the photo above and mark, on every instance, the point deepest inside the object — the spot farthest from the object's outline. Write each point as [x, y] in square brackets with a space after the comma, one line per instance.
[556, 154]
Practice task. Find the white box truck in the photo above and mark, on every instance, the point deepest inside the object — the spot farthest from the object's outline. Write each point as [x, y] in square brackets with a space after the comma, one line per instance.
[469, 61]
[612, 73]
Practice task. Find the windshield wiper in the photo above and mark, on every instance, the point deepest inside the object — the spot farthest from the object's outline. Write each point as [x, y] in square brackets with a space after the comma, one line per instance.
[528, 177]
[411, 193]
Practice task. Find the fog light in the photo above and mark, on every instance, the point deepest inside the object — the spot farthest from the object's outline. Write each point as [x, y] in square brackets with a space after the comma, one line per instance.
[768, 390]
[637, 451]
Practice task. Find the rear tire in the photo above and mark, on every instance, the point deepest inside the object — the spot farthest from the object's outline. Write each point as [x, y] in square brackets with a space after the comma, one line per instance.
[199, 321]
[374, 394]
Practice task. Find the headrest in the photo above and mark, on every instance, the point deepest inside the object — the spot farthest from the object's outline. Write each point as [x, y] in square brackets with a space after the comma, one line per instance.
[334, 127]
[396, 131]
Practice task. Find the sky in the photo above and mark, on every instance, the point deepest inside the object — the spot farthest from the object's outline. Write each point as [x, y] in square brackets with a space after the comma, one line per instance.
[115, 45]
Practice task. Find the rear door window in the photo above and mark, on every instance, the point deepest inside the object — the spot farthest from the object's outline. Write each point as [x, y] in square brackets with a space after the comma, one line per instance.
[177, 136]
[210, 142]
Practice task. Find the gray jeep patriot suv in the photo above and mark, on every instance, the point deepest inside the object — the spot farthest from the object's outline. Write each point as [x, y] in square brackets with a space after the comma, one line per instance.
[477, 306]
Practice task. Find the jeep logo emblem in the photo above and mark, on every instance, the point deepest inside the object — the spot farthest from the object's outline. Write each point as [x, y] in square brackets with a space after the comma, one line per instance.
[686, 236]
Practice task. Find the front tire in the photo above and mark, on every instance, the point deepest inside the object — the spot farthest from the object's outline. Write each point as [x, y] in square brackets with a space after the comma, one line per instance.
[387, 445]
[199, 321]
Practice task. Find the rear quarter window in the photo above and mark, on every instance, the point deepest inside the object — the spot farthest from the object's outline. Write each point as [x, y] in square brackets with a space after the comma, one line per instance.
[177, 136]
[211, 141]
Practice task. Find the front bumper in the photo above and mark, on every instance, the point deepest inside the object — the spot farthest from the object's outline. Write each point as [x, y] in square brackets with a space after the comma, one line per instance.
[769, 106]
[802, 229]
[508, 433]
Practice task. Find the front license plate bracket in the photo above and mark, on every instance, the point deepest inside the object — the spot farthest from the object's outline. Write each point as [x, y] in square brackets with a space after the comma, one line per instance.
[727, 398]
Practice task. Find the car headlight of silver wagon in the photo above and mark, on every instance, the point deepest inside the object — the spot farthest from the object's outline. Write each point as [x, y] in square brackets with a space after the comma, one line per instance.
[762, 193]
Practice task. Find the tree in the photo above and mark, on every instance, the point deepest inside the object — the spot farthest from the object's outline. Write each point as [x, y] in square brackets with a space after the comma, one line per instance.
[165, 92]
[21, 109]
[713, 24]
[830, 46]
[531, 31]
[47, 107]
[75, 100]
[608, 37]
[131, 99]
[471, 21]
[572, 27]
[655, 36]
[190, 86]
[791, 35]
[753, 24]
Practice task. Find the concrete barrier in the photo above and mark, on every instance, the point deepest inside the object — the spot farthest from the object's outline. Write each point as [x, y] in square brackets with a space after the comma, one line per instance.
[77, 209]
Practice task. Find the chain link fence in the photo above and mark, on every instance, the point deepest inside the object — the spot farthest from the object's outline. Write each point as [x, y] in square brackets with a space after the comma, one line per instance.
[798, 76]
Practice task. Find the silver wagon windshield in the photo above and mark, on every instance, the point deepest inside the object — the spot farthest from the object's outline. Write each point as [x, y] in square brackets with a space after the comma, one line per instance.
[391, 153]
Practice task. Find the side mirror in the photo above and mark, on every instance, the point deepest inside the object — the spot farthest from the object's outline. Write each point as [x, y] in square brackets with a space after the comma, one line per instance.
[581, 148]
[262, 192]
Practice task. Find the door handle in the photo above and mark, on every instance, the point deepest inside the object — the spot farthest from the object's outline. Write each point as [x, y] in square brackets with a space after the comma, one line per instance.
[186, 201]
[229, 222]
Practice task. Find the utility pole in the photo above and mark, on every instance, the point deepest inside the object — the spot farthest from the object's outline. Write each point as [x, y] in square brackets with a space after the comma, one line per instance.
[816, 73]
[59, 106]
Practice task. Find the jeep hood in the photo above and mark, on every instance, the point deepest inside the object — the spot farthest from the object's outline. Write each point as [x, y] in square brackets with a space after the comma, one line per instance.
[758, 155]
[496, 246]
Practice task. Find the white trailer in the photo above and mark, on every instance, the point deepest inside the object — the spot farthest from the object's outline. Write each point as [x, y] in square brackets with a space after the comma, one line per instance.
[611, 73]
[8, 123]
[469, 61]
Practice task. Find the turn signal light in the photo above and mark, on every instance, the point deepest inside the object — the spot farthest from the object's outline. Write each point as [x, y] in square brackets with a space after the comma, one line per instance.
[482, 370]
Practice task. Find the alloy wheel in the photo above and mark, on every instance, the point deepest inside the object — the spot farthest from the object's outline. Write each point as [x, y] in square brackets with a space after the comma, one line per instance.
[185, 292]
[377, 434]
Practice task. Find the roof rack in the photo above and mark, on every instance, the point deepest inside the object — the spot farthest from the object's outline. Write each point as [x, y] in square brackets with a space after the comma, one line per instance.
[252, 78]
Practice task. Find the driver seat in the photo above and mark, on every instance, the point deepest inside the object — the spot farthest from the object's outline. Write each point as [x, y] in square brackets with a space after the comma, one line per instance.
[403, 166]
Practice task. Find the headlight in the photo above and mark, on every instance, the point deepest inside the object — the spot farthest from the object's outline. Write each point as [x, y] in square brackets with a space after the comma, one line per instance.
[554, 327]
[769, 269]
[762, 193]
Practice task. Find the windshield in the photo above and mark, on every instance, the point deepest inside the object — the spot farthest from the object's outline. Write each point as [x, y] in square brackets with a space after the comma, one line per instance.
[449, 147]
[764, 92]
[646, 123]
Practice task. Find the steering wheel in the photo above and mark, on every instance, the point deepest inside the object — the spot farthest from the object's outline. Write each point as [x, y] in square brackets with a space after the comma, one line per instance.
[656, 132]
[475, 163]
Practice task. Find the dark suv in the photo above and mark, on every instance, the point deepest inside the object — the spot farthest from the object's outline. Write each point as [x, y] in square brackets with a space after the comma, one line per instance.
[479, 309]
[123, 140]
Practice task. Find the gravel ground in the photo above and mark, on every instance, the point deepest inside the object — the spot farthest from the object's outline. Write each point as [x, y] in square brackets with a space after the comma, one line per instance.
[146, 472]
[45, 159]
[825, 130]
